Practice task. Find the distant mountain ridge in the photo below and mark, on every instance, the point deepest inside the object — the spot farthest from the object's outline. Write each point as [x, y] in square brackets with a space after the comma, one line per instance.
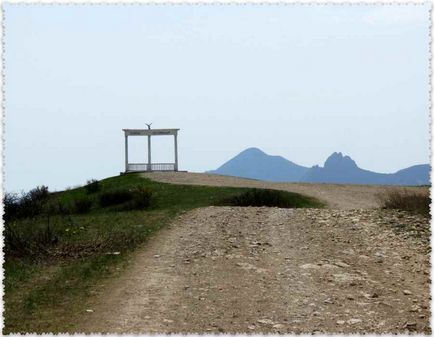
[256, 164]
[339, 169]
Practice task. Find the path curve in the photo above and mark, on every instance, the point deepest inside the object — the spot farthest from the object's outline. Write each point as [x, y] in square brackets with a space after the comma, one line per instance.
[337, 196]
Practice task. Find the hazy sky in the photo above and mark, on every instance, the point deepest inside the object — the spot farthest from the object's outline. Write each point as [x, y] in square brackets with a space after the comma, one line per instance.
[297, 81]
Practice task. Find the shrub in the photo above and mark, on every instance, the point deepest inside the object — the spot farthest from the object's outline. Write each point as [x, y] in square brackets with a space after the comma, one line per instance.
[82, 205]
[406, 200]
[39, 193]
[92, 186]
[56, 206]
[27, 205]
[142, 198]
[11, 206]
[14, 243]
[256, 197]
[32, 203]
[29, 242]
[115, 197]
[270, 198]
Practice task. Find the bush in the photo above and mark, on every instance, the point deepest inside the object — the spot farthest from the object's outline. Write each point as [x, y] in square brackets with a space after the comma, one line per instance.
[82, 205]
[142, 198]
[28, 205]
[115, 197]
[11, 206]
[270, 198]
[32, 203]
[55, 206]
[137, 198]
[39, 193]
[92, 186]
[406, 200]
[28, 242]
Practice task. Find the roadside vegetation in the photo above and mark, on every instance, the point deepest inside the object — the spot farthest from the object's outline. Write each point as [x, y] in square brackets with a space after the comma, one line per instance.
[61, 246]
[410, 204]
[406, 200]
[270, 198]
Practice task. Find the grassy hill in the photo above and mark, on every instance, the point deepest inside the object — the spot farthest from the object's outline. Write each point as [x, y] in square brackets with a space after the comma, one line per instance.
[61, 246]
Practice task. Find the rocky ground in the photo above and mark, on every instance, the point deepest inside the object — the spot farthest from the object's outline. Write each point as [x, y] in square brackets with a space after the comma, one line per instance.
[335, 195]
[270, 270]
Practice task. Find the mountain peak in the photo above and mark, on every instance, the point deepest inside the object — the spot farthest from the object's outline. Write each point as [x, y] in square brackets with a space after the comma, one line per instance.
[339, 161]
[256, 164]
[253, 150]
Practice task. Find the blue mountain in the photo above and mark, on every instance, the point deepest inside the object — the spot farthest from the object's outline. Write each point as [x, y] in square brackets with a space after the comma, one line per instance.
[255, 164]
[338, 169]
[413, 175]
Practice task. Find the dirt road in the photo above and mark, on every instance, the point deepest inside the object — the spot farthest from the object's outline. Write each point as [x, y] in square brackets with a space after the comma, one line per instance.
[266, 270]
[335, 195]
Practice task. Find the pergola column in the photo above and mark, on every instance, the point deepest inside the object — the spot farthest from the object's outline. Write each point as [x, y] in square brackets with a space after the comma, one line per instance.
[126, 152]
[176, 151]
[149, 153]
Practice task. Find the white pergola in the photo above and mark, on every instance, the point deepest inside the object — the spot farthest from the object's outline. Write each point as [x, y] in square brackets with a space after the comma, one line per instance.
[141, 167]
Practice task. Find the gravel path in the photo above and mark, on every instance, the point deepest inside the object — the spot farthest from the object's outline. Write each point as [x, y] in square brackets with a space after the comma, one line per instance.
[269, 270]
[335, 195]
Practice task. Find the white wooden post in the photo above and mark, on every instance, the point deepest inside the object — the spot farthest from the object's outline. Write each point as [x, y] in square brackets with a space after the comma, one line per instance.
[126, 152]
[176, 151]
[149, 152]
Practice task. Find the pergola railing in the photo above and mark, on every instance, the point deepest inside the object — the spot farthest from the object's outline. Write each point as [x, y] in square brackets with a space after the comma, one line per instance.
[138, 167]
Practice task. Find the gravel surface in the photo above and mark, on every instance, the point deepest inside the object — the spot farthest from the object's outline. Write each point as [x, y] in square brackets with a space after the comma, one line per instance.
[271, 270]
[335, 195]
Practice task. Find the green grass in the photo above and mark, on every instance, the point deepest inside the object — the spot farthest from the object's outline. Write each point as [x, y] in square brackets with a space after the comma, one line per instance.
[47, 288]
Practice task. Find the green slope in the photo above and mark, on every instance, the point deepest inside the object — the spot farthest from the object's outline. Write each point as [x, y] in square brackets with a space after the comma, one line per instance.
[47, 288]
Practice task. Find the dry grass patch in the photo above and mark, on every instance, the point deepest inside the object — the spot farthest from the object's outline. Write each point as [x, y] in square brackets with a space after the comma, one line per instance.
[406, 200]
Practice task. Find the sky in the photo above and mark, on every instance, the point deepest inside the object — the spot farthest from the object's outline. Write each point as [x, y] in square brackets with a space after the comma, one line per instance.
[300, 81]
